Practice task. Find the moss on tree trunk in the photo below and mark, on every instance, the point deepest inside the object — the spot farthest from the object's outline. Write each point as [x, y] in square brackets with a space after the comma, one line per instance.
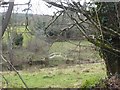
[112, 59]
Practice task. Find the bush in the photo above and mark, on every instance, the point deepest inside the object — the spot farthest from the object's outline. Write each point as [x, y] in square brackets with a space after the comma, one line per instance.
[18, 40]
[37, 45]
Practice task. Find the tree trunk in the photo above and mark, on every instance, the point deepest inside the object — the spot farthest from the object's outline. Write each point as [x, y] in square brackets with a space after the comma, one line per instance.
[10, 51]
[112, 59]
[0, 49]
[7, 17]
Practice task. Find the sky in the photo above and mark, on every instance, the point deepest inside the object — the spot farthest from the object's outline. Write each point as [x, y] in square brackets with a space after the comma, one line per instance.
[38, 7]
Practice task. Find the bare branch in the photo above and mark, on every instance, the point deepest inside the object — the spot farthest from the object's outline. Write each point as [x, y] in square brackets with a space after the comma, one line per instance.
[5, 81]
[52, 22]
[15, 70]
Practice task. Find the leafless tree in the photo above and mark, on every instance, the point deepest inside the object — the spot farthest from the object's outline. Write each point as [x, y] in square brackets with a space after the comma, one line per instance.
[101, 31]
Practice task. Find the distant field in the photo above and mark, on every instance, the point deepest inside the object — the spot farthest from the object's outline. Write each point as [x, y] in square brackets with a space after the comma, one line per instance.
[85, 51]
[84, 75]
[63, 51]
[59, 74]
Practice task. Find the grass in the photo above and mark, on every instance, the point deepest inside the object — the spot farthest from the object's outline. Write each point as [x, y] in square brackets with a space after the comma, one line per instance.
[65, 46]
[85, 52]
[84, 75]
[63, 76]
[67, 50]
[61, 47]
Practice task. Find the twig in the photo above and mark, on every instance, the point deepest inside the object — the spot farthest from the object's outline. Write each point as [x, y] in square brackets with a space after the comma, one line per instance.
[15, 70]
[5, 81]
[26, 16]
[52, 22]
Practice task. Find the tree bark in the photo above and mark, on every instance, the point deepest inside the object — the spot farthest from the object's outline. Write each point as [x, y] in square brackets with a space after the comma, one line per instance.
[112, 59]
[7, 17]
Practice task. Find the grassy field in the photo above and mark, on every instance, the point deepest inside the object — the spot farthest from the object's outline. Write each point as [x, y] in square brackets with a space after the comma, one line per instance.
[67, 50]
[85, 51]
[62, 75]
[84, 75]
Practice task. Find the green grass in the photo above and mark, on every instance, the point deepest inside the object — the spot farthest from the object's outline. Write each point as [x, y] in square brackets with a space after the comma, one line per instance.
[84, 75]
[61, 47]
[65, 76]
[84, 52]
[65, 46]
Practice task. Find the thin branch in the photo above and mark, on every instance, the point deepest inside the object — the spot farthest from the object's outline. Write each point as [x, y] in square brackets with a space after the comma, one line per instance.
[97, 42]
[118, 15]
[77, 9]
[52, 22]
[27, 16]
[5, 81]
[98, 20]
[15, 70]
